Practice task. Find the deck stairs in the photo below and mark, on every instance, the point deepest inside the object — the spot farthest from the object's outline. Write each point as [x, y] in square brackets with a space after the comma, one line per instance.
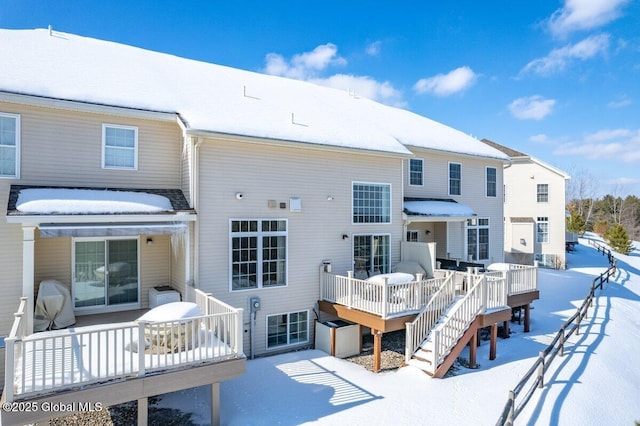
[450, 333]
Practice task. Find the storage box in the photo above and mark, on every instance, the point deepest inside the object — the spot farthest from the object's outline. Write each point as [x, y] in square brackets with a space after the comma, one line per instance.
[338, 338]
[161, 295]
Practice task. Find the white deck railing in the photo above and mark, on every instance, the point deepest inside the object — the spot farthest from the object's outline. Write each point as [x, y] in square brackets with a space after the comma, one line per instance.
[479, 293]
[378, 298]
[46, 362]
[522, 279]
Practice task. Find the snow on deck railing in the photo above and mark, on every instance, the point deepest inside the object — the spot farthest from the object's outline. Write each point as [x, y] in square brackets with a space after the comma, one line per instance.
[378, 298]
[61, 359]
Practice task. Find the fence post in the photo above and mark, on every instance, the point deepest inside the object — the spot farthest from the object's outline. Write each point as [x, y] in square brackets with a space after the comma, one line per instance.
[141, 348]
[512, 409]
[541, 371]
[578, 318]
[562, 341]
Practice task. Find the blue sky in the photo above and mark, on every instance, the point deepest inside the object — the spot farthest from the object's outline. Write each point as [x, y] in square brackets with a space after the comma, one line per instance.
[557, 79]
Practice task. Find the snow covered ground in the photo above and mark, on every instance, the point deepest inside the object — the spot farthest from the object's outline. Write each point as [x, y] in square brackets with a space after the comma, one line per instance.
[595, 383]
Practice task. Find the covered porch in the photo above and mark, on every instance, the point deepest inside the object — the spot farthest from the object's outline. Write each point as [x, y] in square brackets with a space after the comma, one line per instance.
[106, 247]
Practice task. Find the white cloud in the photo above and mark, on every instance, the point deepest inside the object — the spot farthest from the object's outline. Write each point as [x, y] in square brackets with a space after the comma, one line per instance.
[623, 181]
[540, 138]
[558, 59]
[578, 15]
[310, 66]
[304, 65]
[621, 103]
[532, 108]
[364, 86]
[622, 145]
[455, 81]
[373, 49]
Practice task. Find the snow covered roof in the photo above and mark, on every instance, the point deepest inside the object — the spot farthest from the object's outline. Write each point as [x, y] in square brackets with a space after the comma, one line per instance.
[26, 200]
[437, 208]
[214, 98]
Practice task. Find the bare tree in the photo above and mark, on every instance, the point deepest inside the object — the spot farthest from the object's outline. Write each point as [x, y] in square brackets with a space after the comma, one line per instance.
[582, 191]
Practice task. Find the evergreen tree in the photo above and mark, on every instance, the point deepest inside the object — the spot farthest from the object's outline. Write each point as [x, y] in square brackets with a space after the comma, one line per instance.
[576, 223]
[618, 238]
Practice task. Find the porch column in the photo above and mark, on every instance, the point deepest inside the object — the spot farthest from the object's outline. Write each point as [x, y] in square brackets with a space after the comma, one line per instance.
[28, 276]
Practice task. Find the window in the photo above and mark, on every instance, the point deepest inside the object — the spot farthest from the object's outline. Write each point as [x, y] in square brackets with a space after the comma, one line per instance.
[371, 254]
[546, 260]
[543, 193]
[491, 181]
[412, 236]
[415, 171]
[105, 272]
[287, 329]
[258, 253]
[542, 230]
[371, 202]
[478, 239]
[455, 179]
[119, 147]
[9, 145]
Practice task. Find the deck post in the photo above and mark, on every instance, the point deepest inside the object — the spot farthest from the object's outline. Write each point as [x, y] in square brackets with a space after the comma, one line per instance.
[527, 317]
[141, 348]
[505, 329]
[377, 349]
[494, 339]
[215, 404]
[473, 350]
[9, 372]
[385, 287]
[350, 296]
[143, 411]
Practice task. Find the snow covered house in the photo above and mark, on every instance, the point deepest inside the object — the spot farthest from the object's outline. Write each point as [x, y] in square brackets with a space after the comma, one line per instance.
[534, 210]
[133, 177]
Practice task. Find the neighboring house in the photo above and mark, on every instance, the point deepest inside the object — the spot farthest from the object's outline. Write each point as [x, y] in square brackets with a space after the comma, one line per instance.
[231, 187]
[534, 210]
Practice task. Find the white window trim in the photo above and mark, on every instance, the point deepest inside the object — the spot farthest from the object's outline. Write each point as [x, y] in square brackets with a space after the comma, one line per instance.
[266, 342]
[477, 227]
[17, 148]
[104, 146]
[258, 234]
[449, 179]
[486, 182]
[548, 230]
[103, 308]
[370, 234]
[421, 172]
[390, 203]
[537, 193]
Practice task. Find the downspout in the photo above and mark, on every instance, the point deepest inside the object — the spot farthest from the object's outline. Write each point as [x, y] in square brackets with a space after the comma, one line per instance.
[195, 190]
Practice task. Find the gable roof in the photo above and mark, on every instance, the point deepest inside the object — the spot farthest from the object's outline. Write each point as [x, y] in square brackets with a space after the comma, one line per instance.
[517, 155]
[215, 98]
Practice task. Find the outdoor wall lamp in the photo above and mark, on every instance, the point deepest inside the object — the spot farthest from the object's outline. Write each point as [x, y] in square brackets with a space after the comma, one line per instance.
[345, 236]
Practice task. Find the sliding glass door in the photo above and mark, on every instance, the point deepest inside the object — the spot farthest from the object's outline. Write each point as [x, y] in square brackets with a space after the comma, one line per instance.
[105, 272]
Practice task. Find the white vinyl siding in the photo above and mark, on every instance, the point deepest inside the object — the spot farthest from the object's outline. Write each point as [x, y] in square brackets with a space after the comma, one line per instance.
[455, 179]
[287, 329]
[9, 145]
[258, 253]
[416, 172]
[371, 202]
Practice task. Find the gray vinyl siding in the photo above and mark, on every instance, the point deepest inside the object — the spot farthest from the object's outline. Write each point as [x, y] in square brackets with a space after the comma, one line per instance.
[65, 148]
[263, 173]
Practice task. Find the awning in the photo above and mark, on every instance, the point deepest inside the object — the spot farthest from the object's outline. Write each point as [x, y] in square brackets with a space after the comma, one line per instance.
[111, 229]
[441, 210]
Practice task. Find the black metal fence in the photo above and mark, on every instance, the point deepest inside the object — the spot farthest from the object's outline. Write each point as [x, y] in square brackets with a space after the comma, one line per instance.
[520, 395]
